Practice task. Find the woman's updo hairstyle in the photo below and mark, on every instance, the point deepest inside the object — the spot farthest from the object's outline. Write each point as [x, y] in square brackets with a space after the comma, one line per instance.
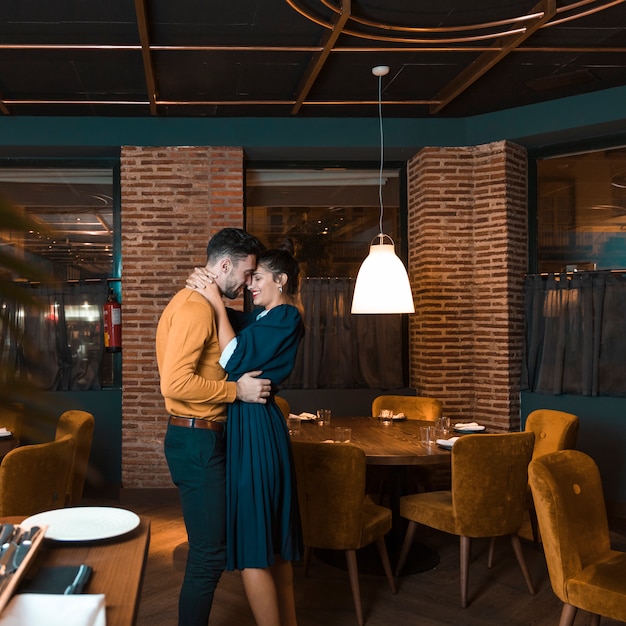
[280, 260]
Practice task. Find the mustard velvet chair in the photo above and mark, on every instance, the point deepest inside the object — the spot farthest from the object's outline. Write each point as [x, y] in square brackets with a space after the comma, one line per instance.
[283, 405]
[585, 573]
[554, 430]
[414, 407]
[79, 424]
[334, 511]
[34, 478]
[487, 498]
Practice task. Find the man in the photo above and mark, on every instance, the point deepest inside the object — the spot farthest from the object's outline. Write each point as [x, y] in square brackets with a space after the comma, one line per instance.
[196, 393]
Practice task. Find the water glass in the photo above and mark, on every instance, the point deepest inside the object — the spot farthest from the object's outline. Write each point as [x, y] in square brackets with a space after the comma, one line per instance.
[442, 427]
[385, 416]
[294, 425]
[323, 417]
[426, 435]
[343, 435]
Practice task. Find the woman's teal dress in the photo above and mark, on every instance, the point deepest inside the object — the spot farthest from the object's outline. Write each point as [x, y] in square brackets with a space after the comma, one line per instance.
[261, 501]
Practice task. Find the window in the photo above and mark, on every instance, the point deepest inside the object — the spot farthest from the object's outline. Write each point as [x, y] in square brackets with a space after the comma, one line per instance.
[332, 215]
[581, 211]
[52, 303]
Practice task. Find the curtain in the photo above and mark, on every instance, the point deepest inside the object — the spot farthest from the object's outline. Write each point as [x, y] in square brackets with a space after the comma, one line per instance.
[575, 339]
[53, 337]
[341, 350]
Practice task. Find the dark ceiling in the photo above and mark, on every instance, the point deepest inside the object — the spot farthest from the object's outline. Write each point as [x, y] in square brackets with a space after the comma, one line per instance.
[308, 58]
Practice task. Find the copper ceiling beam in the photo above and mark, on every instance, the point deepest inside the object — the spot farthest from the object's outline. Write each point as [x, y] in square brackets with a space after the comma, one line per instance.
[144, 38]
[487, 60]
[317, 63]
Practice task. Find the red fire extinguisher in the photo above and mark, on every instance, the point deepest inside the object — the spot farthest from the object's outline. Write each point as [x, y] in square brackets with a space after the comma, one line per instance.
[112, 324]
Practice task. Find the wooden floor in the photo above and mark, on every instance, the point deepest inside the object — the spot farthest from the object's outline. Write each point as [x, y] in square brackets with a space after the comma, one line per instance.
[498, 596]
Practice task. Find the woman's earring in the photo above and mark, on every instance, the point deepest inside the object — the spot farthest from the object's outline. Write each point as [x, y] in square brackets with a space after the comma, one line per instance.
[280, 288]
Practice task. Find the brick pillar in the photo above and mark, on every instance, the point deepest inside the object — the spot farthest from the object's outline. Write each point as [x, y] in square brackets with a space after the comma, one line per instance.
[467, 225]
[173, 200]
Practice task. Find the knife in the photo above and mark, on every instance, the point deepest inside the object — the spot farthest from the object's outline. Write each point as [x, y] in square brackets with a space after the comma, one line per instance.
[6, 558]
[20, 553]
[6, 532]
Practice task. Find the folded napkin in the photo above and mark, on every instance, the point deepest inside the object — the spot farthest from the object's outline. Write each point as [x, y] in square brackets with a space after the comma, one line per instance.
[307, 416]
[399, 416]
[4, 432]
[468, 426]
[55, 610]
[446, 443]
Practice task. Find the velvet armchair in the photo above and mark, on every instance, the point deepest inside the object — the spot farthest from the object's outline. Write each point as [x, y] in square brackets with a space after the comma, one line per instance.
[554, 430]
[80, 425]
[34, 478]
[585, 573]
[414, 407]
[283, 405]
[487, 498]
[335, 513]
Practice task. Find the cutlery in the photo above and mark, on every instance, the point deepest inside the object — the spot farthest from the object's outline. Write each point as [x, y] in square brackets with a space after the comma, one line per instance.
[81, 577]
[6, 533]
[6, 558]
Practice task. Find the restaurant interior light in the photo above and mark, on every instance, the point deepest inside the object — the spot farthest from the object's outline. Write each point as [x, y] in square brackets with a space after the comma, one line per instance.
[382, 284]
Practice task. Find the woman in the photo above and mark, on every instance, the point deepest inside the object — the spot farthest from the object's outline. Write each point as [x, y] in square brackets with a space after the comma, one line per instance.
[263, 532]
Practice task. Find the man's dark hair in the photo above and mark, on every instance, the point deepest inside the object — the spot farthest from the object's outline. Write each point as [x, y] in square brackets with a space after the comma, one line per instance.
[234, 243]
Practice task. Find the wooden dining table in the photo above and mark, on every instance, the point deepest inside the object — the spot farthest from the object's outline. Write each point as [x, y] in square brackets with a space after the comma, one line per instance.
[396, 445]
[118, 566]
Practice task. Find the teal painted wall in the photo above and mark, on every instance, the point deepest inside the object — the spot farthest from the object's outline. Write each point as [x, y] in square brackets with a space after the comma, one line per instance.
[596, 114]
[602, 434]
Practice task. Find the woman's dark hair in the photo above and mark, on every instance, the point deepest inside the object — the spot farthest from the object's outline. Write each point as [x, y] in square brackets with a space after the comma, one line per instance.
[280, 260]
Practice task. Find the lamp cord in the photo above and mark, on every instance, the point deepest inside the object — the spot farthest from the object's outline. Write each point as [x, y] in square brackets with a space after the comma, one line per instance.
[380, 173]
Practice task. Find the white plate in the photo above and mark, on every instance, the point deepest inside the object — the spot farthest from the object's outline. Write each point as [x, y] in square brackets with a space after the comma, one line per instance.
[84, 523]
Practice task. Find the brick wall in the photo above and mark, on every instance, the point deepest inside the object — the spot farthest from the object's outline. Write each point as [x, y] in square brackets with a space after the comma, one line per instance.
[173, 200]
[467, 256]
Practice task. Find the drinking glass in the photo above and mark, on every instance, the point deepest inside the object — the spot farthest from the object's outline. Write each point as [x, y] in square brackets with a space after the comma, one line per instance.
[426, 435]
[342, 435]
[323, 417]
[294, 425]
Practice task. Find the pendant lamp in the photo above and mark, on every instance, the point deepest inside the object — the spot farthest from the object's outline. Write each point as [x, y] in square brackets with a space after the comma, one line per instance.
[382, 284]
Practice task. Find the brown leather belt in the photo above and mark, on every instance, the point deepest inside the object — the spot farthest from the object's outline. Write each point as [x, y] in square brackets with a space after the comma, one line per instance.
[192, 422]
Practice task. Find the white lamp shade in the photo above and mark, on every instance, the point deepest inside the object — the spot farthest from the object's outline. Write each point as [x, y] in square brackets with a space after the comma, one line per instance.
[382, 284]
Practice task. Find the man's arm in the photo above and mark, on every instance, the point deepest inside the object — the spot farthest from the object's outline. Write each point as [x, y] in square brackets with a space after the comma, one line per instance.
[252, 389]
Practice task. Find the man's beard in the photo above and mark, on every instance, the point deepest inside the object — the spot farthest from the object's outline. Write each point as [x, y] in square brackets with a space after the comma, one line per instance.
[231, 289]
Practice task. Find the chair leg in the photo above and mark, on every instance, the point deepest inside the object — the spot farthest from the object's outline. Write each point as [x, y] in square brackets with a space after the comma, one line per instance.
[492, 551]
[307, 560]
[519, 553]
[465, 545]
[384, 557]
[595, 619]
[406, 546]
[567, 615]
[353, 572]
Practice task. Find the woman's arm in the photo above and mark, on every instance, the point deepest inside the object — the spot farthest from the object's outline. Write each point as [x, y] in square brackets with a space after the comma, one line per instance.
[203, 283]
